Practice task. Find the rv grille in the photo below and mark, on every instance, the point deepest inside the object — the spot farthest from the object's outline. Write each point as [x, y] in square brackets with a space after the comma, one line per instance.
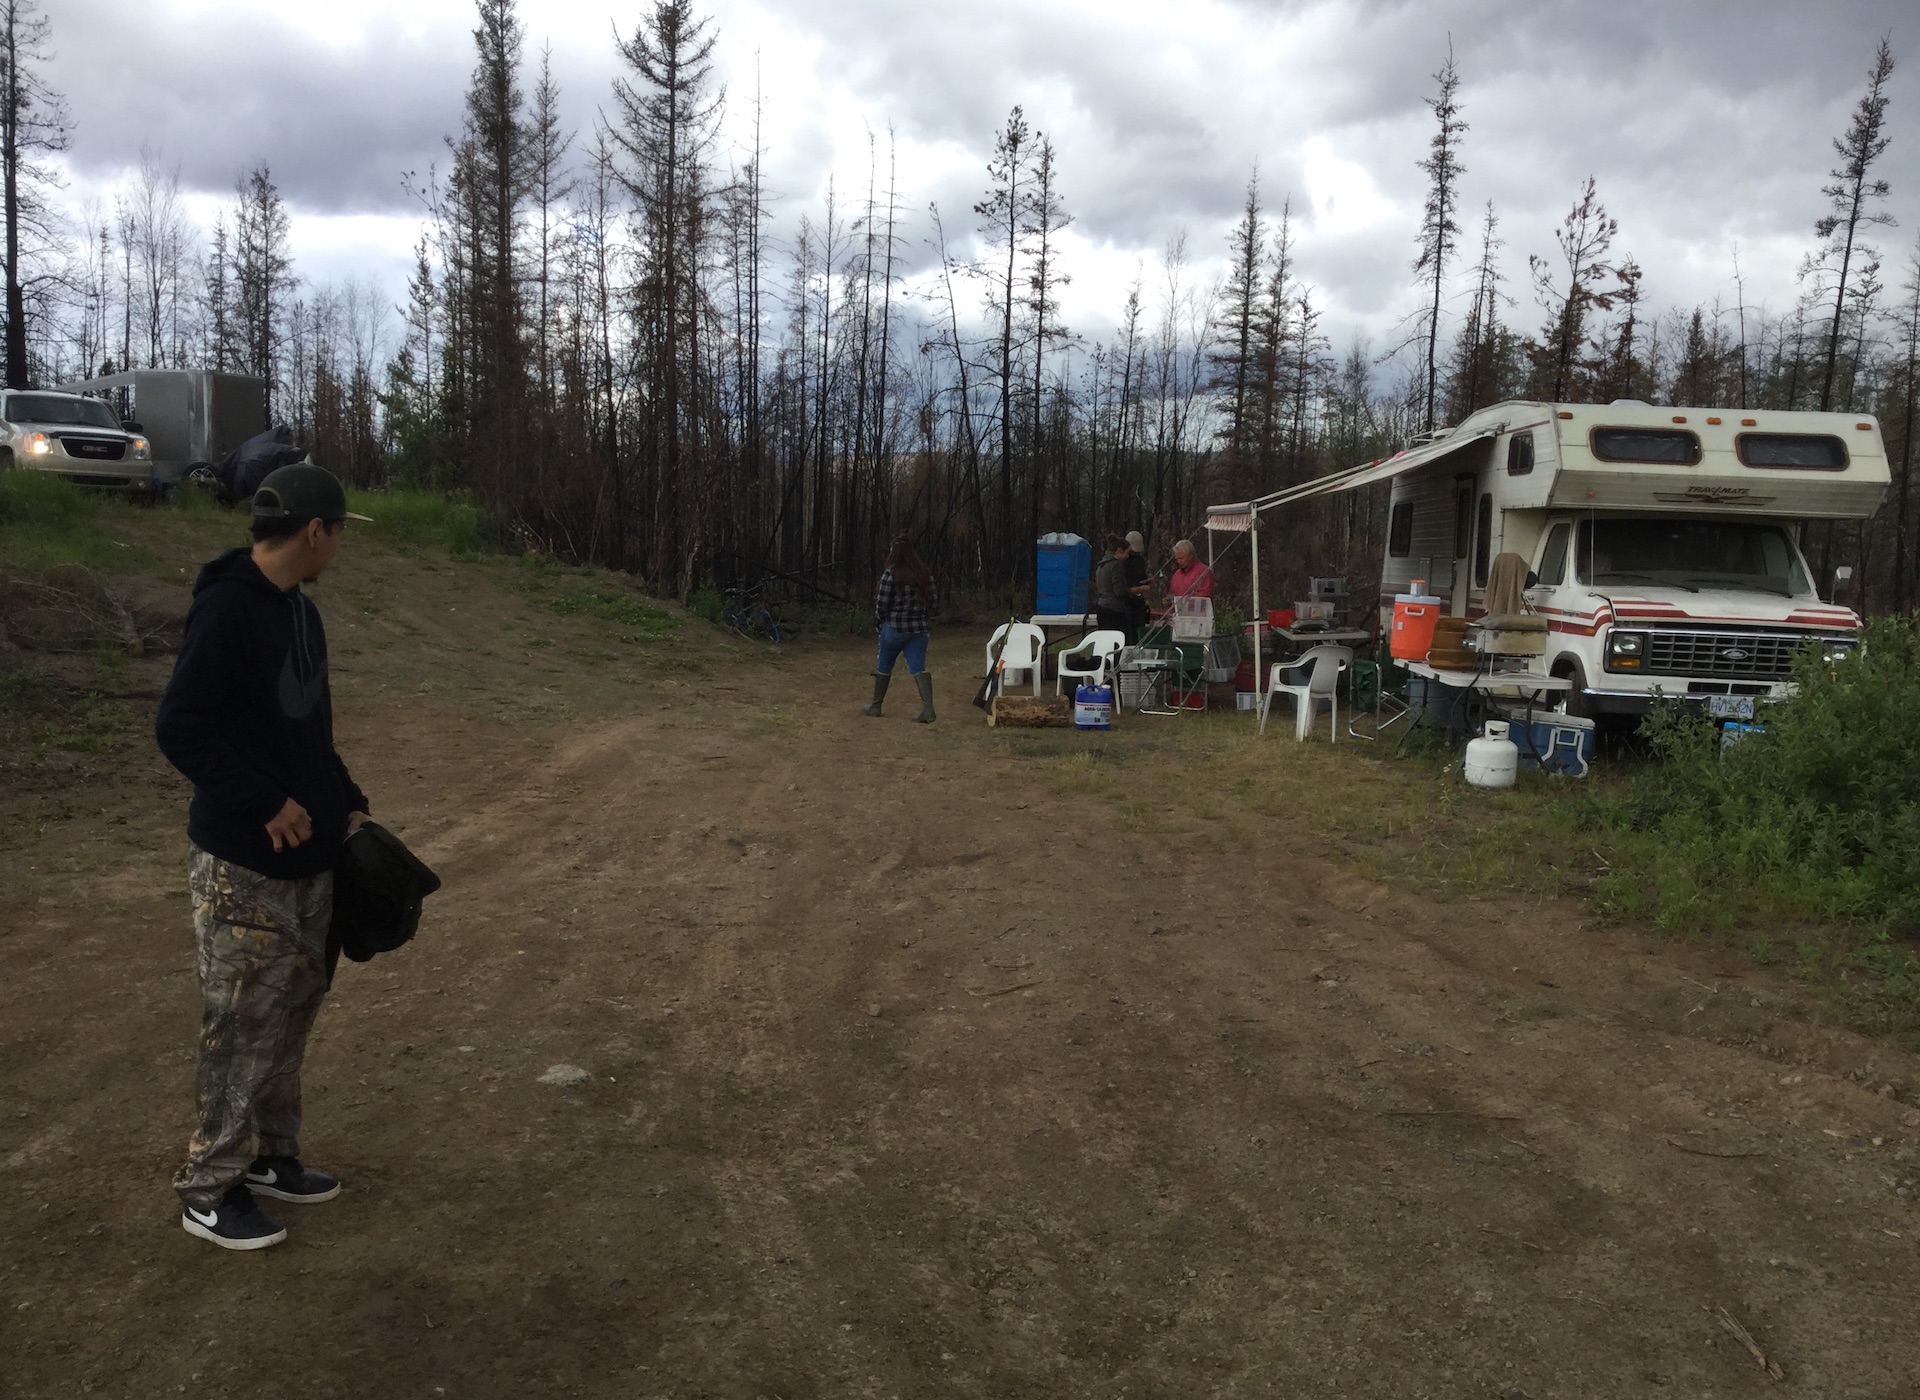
[93, 449]
[1750, 655]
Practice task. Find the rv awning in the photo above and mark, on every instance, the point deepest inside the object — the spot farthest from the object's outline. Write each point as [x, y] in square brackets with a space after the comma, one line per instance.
[1238, 517]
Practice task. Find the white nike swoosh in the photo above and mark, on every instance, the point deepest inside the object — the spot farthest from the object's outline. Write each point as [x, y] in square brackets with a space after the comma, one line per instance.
[211, 1217]
[269, 1177]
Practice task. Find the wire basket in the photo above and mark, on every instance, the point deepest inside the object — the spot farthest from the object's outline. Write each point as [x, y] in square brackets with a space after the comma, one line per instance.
[1135, 686]
[1192, 619]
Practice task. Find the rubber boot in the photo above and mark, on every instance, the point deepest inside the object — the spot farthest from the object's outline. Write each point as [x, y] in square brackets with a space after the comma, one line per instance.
[879, 694]
[924, 683]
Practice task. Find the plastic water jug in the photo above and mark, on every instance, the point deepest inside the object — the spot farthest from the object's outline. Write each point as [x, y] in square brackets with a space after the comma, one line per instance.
[1093, 707]
[1492, 759]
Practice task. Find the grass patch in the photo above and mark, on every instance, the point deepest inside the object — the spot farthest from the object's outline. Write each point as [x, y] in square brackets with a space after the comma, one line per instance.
[39, 710]
[576, 591]
[429, 519]
[47, 523]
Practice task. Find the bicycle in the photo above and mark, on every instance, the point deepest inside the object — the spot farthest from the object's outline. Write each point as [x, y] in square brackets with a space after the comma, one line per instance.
[748, 615]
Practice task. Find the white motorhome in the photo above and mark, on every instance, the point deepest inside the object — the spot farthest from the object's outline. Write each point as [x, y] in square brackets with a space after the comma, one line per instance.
[1662, 541]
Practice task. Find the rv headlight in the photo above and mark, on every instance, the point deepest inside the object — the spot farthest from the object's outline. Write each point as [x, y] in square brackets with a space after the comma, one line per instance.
[37, 444]
[1837, 650]
[1625, 650]
[141, 451]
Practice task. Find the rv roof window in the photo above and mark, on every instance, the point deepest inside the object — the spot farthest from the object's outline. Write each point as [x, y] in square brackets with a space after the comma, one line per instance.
[1813, 451]
[1673, 446]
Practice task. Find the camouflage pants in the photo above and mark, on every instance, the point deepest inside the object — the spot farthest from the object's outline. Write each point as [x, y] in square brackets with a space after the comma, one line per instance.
[262, 958]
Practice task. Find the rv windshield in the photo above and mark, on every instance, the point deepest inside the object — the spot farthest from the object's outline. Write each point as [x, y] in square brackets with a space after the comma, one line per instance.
[1692, 554]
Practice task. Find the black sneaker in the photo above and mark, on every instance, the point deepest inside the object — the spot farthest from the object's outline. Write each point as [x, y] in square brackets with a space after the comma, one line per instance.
[285, 1179]
[236, 1223]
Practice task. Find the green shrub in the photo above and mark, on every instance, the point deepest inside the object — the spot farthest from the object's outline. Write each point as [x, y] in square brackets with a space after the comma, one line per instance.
[1808, 828]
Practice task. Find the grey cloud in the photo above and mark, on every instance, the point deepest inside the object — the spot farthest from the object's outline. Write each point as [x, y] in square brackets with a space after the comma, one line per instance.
[1705, 123]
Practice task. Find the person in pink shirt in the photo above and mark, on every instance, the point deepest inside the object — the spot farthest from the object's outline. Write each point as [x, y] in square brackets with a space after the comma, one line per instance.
[1191, 578]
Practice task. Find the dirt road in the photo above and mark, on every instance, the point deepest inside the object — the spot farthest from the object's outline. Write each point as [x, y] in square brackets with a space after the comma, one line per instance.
[924, 1061]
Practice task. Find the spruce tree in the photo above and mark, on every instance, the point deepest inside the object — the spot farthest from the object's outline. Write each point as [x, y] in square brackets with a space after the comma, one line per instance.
[1439, 231]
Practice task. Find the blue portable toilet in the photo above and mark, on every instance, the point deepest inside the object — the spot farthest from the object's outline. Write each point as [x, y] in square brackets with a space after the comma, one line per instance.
[1062, 565]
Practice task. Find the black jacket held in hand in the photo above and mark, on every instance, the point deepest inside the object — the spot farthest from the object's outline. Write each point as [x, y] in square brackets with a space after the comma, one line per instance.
[248, 718]
[378, 888]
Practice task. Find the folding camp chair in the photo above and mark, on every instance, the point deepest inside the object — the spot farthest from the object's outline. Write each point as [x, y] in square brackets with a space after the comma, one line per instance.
[1368, 693]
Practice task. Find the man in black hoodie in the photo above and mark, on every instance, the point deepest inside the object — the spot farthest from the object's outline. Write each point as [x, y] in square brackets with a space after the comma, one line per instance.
[248, 717]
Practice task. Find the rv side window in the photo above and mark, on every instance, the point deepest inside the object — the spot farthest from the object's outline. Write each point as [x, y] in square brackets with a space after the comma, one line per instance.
[1808, 451]
[1671, 446]
[1462, 516]
[1483, 541]
[1400, 531]
[1520, 454]
[1553, 560]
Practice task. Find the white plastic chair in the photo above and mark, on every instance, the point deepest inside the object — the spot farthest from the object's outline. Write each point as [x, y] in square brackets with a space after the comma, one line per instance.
[1026, 650]
[1322, 666]
[1100, 649]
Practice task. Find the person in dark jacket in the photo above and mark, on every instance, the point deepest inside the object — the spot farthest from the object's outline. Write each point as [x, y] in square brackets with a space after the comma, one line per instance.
[1112, 593]
[248, 718]
[1137, 586]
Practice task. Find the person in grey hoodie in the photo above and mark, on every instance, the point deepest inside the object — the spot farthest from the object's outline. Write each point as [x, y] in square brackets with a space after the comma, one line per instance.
[248, 718]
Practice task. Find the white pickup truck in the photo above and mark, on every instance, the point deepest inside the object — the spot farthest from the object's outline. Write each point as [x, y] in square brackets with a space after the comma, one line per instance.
[1662, 541]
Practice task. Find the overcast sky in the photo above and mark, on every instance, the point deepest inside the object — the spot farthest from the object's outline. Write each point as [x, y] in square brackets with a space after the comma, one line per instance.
[1707, 125]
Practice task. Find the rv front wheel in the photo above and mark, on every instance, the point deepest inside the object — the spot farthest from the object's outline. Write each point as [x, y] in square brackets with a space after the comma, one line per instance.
[1576, 702]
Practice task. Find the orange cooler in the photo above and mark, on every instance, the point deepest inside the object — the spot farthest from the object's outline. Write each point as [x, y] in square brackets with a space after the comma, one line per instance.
[1415, 615]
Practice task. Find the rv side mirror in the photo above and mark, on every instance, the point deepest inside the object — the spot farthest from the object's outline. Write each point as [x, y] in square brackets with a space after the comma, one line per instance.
[1843, 573]
[1533, 579]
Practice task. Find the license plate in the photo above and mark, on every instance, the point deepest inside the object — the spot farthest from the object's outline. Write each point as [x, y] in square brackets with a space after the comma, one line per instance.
[1730, 706]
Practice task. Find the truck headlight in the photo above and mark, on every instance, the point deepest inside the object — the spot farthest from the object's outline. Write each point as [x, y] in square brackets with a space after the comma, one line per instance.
[1834, 652]
[37, 444]
[141, 451]
[1626, 650]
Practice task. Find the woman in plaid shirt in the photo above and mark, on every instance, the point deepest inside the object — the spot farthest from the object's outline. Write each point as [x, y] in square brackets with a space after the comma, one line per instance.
[903, 604]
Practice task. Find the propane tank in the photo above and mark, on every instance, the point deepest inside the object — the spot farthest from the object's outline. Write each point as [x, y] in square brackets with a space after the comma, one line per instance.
[1492, 759]
[1093, 707]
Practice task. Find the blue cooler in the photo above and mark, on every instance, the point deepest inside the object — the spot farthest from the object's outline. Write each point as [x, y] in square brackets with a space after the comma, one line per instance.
[1553, 743]
[1062, 566]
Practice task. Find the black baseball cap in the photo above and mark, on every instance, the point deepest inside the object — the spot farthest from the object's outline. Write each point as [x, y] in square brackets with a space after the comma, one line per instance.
[304, 491]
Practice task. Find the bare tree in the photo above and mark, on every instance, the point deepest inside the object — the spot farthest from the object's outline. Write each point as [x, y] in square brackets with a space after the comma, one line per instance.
[1233, 350]
[1584, 238]
[668, 112]
[262, 274]
[1910, 388]
[158, 235]
[33, 126]
[1852, 196]
[1004, 215]
[547, 145]
[1046, 217]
